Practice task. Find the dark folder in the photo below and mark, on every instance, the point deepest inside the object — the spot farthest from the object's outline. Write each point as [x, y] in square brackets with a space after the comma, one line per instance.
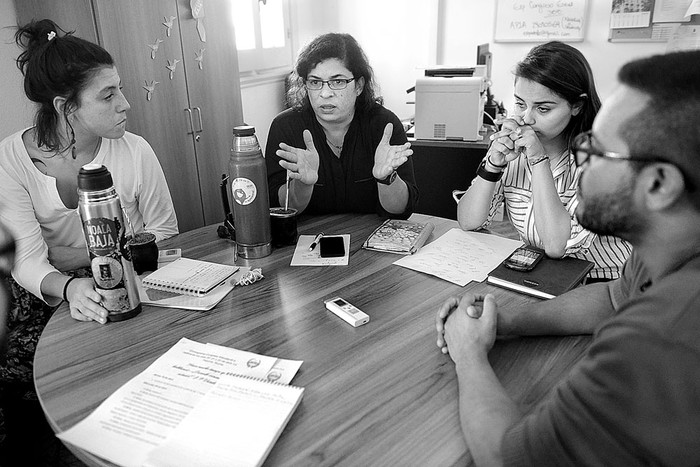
[551, 277]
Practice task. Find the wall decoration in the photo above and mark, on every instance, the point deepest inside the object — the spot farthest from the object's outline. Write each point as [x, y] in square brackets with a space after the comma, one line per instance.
[199, 58]
[197, 7]
[530, 21]
[171, 66]
[647, 20]
[150, 87]
[154, 47]
[168, 23]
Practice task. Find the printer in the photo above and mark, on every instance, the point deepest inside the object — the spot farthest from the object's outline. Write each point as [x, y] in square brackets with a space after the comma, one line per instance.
[450, 103]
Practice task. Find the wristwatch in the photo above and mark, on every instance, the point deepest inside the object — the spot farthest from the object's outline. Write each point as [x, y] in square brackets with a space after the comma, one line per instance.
[486, 175]
[389, 179]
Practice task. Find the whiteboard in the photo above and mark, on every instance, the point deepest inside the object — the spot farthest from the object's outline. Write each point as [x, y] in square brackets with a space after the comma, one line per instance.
[540, 20]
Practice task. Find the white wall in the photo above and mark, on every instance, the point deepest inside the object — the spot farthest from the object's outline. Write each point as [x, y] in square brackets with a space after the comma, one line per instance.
[468, 23]
[400, 38]
[17, 111]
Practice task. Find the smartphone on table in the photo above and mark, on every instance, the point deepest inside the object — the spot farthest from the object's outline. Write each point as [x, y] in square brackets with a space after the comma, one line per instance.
[524, 258]
[332, 247]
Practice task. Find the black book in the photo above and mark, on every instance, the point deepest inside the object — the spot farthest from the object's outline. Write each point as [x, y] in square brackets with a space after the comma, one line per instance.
[549, 278]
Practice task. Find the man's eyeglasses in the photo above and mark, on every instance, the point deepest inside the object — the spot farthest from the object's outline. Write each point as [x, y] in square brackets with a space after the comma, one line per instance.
[334, 84]
[583, 150]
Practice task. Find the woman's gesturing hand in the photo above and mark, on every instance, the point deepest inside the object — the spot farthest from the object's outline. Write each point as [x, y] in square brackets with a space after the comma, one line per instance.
[388, 158]
[302, 164]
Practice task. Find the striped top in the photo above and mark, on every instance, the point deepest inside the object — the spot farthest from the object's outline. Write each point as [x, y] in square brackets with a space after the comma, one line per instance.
[608, 253]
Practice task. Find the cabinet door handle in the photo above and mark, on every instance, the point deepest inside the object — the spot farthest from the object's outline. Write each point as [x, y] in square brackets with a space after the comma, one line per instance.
[189, 114]
[199, 117]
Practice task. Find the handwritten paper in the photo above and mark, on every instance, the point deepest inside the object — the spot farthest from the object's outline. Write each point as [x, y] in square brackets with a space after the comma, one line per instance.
[144, 412]
[461, 257]
[304, 257]
[524, 20]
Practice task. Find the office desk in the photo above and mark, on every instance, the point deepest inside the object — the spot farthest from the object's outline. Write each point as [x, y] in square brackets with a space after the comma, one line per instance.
[443, 166]
[379, 394]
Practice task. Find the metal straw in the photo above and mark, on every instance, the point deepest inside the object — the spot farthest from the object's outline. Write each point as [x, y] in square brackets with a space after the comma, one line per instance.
[286, 196]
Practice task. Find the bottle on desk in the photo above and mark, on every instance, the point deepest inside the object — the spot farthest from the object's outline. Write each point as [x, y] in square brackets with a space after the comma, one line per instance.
[249, 193]
[105, 235]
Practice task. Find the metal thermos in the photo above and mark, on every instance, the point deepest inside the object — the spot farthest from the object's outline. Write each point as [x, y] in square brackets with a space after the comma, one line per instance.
[251, 201]
[105, 236]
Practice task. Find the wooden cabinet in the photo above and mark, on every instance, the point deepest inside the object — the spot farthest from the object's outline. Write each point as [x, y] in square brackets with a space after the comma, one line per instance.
[443, 166]
[195, 100]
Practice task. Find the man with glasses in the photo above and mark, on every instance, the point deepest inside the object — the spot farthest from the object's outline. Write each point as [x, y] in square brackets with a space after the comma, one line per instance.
[341, 149]
[634, 398]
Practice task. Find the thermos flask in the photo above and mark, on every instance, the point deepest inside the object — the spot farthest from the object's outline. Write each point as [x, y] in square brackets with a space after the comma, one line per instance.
[105, 236]
[251, 201]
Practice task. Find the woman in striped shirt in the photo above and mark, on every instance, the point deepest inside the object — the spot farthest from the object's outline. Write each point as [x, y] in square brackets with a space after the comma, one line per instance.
[530, 167]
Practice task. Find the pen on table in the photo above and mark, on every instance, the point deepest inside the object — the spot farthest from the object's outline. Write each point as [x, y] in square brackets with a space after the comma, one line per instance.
[315, 242]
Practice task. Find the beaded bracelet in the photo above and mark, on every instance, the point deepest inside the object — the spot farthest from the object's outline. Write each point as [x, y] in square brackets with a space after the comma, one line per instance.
[537, 161]
[65, 288]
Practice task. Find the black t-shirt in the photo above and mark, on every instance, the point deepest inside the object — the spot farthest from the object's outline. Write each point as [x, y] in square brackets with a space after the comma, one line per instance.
[344, 184]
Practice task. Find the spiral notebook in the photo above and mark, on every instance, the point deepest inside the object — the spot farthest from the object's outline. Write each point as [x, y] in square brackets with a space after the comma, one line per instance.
[189, 276]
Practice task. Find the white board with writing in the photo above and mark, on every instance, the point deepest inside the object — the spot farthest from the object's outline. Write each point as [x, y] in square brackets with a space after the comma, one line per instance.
[540, 20]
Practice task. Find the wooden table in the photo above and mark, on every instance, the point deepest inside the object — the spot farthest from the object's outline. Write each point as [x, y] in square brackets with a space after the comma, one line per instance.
[380, 394]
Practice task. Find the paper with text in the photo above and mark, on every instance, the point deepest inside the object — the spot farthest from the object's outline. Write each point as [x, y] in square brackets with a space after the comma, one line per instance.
[281, 372]
[142, 413]
[304, 257]
[461, 257]
[236, 423]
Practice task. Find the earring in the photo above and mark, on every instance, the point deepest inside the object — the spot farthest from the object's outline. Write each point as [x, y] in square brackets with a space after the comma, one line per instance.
[72, 140]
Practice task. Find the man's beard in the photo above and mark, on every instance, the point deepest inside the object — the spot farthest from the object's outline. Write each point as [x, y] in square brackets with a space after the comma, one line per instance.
[609, 213]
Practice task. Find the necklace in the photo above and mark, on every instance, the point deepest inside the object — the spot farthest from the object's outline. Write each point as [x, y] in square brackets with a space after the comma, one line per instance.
[338, 148]
[94, 151]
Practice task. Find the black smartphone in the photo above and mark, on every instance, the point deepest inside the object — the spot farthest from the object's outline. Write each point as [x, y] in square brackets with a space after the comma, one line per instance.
[524, 258]
[332, 247]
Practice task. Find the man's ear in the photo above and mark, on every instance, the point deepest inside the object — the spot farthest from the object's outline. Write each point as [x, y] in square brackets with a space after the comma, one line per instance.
[664, 185]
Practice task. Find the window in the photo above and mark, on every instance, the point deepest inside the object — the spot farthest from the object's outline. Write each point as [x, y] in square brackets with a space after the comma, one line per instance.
[262, 34]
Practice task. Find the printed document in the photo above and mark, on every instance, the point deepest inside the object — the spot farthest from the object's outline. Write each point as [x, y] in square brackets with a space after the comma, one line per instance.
[144, 412]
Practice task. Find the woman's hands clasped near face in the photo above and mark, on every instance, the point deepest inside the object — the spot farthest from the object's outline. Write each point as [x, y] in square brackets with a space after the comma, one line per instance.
[513, 139]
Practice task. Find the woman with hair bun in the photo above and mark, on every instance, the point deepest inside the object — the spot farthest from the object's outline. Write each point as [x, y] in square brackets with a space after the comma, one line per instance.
[80, 119]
